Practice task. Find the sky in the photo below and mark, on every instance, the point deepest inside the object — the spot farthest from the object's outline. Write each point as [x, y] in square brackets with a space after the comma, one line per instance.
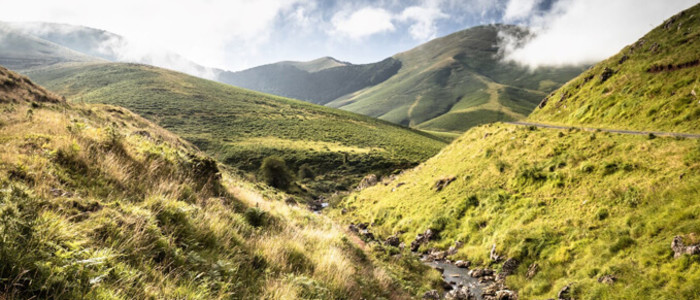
[239, 34]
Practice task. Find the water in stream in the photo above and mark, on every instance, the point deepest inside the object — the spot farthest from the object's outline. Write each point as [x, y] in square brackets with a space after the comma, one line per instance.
[452, 273]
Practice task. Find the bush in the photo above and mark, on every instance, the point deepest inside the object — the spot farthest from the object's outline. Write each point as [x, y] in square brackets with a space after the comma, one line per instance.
[275, 173]
[305, 172]
[256, 217]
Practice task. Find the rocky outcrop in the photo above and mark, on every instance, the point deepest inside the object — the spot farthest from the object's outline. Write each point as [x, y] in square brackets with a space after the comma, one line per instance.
[422, 238]
[431, 295]
[679, 248]
[532, 270]
[510, 266]
[607, 279]
[444, 182]
[607, 73]
[565, 293]
[393, 241]
[368, 181]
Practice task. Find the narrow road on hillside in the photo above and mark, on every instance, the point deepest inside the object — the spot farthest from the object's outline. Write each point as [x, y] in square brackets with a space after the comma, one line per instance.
[657, 133]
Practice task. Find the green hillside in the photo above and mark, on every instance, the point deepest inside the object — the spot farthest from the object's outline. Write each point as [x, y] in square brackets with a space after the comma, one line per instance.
[99, 203]
[650, 85]
[22, 51]
[453, 83]
[241, 128]
[597, 212]
[581, 205]
[313, 81]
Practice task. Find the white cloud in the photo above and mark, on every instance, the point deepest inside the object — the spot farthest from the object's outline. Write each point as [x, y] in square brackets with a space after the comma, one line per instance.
[519, 9]
[362, 23]
[423, 18]
[199, 30]
[578, 32]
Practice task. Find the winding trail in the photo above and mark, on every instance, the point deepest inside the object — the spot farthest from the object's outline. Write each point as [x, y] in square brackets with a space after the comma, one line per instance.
[657, 133]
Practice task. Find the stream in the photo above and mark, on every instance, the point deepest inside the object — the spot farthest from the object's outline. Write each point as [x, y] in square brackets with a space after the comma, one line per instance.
[457, 276]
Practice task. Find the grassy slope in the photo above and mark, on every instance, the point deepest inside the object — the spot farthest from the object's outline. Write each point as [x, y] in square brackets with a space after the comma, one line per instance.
[241, 127]
[579, 204]
[98, 203]
[312, 81]
[454, 83]
[634, 98]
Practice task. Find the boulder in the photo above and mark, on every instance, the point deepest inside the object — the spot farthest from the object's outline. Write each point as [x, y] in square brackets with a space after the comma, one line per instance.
[367, 181]
[510, 266]
[565, 293]
[431, 295]
[462, 293]
[453, 249]
[444, 182]
[679, 247]
[476, 273]
[366, 234]
[462, 264]
[421, 238]
[393, 241]
[506, 295]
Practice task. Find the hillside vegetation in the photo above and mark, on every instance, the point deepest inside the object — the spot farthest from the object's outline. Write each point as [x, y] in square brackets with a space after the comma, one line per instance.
[581, 205]
[595, 212]
[319, 81]
[455, 82]
[241, 128]
[652, 84]
[98, 203]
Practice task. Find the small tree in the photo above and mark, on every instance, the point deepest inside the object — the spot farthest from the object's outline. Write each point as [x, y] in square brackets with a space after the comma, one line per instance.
[275, 173]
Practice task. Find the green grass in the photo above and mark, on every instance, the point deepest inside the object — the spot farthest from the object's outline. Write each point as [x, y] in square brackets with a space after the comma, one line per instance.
[634, 98]
[440, 80]
[579, 204]
[241, 127]
[99, 203]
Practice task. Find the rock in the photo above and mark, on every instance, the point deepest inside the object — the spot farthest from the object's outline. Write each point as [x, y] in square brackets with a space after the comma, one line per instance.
[368, 181]
[366, 234]
[432, 295]
[402, 245]
[543, 103]
[393, 241]
[506, 295]
[485, 279]
[362, 225]
[462, 264]
[565, 293]
[532, 270]
[453, 249]
[679, 248]
[493, 255]
[444, 182]
[460, 294]
[446, 285]
[510, 266]
[607, 279]
[440, 269]
[607, 73]
[623, 59]
[352, 227]
[436, 255]
[421, 239]
[477, 273]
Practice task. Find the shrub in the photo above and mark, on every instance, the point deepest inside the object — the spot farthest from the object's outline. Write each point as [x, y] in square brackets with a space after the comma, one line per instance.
[305, 172]
[255, 216]
[275, 173]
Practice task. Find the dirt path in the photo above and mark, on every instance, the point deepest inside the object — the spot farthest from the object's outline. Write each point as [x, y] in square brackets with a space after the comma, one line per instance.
[657, 133]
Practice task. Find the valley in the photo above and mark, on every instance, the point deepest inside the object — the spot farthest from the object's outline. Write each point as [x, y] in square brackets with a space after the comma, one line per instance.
[445, 171]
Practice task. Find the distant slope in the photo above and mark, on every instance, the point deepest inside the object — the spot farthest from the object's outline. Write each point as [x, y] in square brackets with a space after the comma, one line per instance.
[19, 50]
[580, 205]
[241, 127]
[316, 64]
[652, 84]
[99, 203]
[109, 46]
[456, 82]
[319, 81]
